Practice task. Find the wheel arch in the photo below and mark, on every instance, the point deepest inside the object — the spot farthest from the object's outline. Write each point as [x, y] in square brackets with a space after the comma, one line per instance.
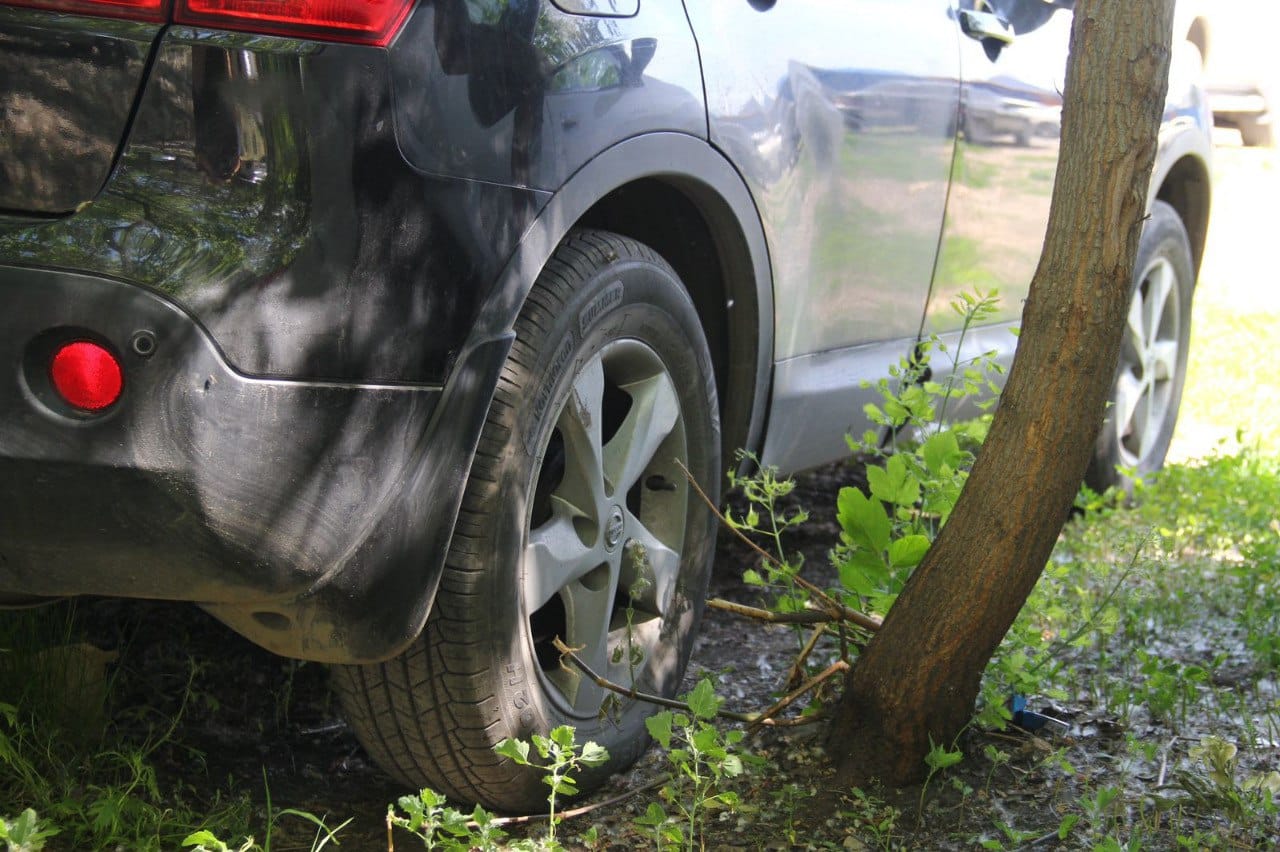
[1185, 187]
[677, 195]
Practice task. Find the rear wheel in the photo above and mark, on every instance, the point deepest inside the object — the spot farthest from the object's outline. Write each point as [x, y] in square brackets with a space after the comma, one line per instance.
[578, 523]
[1147, 389]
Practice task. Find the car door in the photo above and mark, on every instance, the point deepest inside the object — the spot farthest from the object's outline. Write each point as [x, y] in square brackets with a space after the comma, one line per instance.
[840, 115]
[1012, 67]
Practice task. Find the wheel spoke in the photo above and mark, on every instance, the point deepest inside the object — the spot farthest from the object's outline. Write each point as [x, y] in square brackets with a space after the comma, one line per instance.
[579, 424]
[556, 556]
[1161, 283]
[1164, 360]
[654, 412]
[651, 569]
[589, 610]
[1145, 423]
[1135, 336]
[1129, 391]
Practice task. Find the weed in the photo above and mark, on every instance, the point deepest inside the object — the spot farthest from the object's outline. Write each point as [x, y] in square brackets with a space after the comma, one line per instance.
[938, 759]
[871, 817]
[25, 833]
[702, 758]
[439, 826]
[563, 756]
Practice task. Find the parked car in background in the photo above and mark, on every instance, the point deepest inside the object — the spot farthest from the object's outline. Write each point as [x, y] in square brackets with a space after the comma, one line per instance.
[1241, 66]
[387, 332]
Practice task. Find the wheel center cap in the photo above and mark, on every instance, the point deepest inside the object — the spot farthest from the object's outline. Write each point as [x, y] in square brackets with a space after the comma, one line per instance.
[614, 528]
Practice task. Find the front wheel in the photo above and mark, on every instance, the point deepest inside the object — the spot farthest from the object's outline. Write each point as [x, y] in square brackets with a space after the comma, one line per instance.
[1147, 389]
[577, 523]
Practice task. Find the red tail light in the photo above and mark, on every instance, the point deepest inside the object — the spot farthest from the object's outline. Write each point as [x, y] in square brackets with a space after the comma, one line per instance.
[86, 375]
[374, 22]
[140, 10]
[357, 21]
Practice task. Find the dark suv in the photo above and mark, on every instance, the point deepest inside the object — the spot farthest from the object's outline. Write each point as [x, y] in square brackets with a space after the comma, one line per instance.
[387, 331]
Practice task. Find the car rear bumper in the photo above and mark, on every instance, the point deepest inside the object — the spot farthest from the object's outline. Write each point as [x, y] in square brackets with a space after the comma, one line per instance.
[312, 517]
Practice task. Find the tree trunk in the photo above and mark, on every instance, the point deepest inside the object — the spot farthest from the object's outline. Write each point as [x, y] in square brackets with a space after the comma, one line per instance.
[920, 674]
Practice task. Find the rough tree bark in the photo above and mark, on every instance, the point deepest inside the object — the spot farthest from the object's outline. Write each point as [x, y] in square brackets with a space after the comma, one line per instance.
[919, 676]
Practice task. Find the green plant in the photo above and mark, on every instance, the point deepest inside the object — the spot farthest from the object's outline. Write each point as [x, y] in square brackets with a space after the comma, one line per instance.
[918, 461]
[938, 759]
[1213, 785]
[766, 517]
[788, 798]
[1015, 836]
[562, 756]
[25, 833]
[428, 816]
[95, 782]
[206, 840]
[702, 758]
[867, 815]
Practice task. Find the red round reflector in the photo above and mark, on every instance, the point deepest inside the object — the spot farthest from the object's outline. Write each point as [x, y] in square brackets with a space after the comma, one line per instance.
[87, 375]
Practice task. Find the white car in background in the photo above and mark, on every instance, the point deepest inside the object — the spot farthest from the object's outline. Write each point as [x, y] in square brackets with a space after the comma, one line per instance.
[1241, 68]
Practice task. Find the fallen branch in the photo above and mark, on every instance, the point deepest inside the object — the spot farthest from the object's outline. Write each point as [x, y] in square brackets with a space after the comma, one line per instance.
[567, 653]
[795, 674]
[583, 809]
[806, 616]
[790, 698]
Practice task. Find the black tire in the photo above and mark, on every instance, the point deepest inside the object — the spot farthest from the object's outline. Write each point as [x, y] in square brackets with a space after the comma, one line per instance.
[608, 337]
[1147, 389]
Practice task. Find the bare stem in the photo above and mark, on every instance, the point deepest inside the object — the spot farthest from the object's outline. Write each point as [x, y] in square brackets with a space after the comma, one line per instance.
[790, 698]
[567, 653]
[584, 809]
[806, 616]
[795, 675]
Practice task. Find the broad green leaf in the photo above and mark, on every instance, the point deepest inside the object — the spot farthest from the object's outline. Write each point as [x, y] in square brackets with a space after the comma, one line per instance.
[941, 453]
[862, 572]
[562, 735]
[659, 726]
[200, 838]
[517, 750]
[594, 754]
[863, 520]
[894, 483]
[563, 786]
[907, 551]
[654, 815]
[705, 739]
[703, 701]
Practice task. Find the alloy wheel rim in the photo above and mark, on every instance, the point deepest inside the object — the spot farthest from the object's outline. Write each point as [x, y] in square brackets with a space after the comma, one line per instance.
[1149, 358]
[606, 525]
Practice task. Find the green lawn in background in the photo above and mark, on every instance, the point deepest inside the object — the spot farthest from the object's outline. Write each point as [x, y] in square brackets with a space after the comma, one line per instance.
[1234, 370]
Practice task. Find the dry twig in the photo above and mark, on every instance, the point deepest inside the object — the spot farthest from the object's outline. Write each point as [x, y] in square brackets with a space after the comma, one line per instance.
[787, 700]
